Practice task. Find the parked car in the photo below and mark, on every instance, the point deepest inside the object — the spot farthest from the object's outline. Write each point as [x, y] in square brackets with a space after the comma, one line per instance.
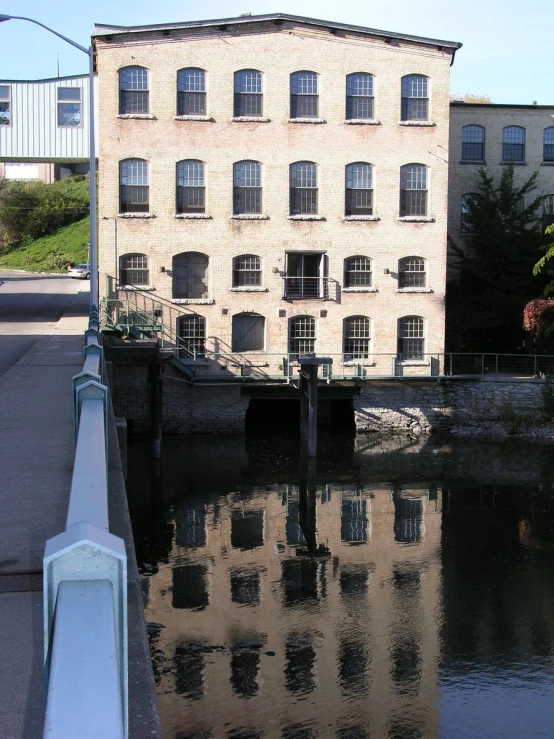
[80, 271]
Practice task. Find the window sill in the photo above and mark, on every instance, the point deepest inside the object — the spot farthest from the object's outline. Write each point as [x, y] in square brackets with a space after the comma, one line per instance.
[424, 124]
[251, 364]
[193, 301]
[416, 219]
[305, 218]
[547, 164]
[356, 363]
[515, 164]
[362, 122]
[359, 290]
[481, 162]
[307, 120]
[193, 216]
[250, 119]
[414, 290]
[361, 218]
[131, 288]
[413, 363]
[136, 116]
[198, 118]
[249, 289]
[249, 217]
[135, 215]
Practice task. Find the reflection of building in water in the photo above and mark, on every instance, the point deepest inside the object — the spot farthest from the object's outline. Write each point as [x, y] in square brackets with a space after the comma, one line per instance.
[261, 636]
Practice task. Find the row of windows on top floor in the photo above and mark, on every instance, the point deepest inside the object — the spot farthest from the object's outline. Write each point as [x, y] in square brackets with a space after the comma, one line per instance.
[190, 195]
[249, 92]
[305, 274]
[513, 144]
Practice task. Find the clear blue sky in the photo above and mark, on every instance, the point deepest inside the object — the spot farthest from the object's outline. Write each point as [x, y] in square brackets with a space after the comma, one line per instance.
[507, 52]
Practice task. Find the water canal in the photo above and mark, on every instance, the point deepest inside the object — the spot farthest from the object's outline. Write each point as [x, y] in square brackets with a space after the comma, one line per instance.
[403, 589]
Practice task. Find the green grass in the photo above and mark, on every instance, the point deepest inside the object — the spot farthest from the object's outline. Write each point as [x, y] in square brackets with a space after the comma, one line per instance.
[50, 253]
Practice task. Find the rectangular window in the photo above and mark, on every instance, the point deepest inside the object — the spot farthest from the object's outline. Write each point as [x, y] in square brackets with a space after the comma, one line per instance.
[304, 95]
[247, 271]
[190, 187]
[69, 106]
[303, 188]
[414, 98]
[248, 93]
[248, 333]
[134, 186]
[133, 91]
[359, 96]
[5, 111]
[305, 276]
[191, 92]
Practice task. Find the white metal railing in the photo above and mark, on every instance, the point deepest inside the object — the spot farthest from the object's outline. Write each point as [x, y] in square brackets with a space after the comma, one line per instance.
[85, 581]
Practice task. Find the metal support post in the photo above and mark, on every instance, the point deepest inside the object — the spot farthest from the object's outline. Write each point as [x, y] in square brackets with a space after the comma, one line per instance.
[155, 408]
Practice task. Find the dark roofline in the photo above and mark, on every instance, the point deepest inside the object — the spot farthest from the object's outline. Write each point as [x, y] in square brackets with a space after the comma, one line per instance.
[460, 103]
[48, 79]
[101, 29]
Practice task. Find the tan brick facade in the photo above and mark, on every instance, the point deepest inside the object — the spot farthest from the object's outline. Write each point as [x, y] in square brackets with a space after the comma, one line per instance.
[277, 51]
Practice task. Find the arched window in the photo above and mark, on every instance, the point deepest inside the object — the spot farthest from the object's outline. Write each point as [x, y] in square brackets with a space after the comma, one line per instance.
[357, 272]
[302, 335]
[356, 337]
[247, 187]
[191, 91]
[190, 187]
[548, 147]
[190, 276]
[468, 225]
[248, 332]
[359, 189]
[359, 96]
[133, 90]
[133, 270]
[413, 190]
[191, 335]
[303, 95]
[411, 272]
[303, 188]
[247, 271]
[248, 93]
[473, 143]
[133, 186]
[411, 339]
[415, 100]
[513, 144]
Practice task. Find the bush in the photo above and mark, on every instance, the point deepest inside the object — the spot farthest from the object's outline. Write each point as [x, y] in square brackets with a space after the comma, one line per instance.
[548, 398]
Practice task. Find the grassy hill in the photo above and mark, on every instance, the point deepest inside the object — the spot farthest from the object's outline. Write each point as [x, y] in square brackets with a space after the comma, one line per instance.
[51, 253]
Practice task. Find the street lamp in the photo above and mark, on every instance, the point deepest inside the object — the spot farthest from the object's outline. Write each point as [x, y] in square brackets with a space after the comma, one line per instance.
[93, 238]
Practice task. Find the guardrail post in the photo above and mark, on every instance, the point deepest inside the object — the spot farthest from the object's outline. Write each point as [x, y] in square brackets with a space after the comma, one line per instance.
[90, 388]
[535, 365]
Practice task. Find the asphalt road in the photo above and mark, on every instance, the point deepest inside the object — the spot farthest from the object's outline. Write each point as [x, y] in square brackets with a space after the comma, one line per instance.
[30, 307]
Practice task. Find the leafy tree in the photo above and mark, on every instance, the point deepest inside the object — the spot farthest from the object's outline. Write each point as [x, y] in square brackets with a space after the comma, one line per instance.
[470, 98]
[484, 307]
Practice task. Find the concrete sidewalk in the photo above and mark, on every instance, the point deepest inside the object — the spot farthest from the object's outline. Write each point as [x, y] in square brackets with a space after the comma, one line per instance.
[36, 461]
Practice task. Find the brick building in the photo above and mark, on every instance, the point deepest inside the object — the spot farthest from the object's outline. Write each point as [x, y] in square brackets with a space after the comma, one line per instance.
[277, 185]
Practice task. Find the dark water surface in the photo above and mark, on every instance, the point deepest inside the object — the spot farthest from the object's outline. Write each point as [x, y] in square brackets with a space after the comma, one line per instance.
[403, 589]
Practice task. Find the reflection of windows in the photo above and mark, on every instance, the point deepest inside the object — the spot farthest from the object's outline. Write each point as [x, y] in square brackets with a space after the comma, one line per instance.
[295, 535]
[353, 579]
[189, 672]
[359, 96]
[133, 90]
[352, 732]
[247, 529]
[244, 671]
[407, 519]
[353, 674]
[299, 579]
[191, 91]
[5, 105]
[245, 587]
[69, 106]
[406, 666]
[304, 730]
[299, 671]
[407, 729]
[353, 520]
[190, 586]
[191, 526]
[406, 579]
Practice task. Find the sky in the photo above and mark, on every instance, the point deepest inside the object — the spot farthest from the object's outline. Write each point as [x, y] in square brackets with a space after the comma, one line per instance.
[506, 54]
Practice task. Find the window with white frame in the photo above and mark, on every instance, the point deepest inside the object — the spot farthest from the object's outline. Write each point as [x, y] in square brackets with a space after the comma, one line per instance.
[411, 338]
[304, 95]
[190, 187]
[133, 90]
[133, 270]
[247, 271]
[359, 189]
[5, 105]
[513, 144]
[359, 96]
[248, 332]
[413, 190]
[69, 106]
[190, 275]
[411, 272]
[548, 144]
[473, 143]
[133, 186]
[247, 187]
[191, 91]
[191, 335]
[302, 335]
[248, 94]
[303, 188]
[357, 335]
[357, 272]
[415, 98]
